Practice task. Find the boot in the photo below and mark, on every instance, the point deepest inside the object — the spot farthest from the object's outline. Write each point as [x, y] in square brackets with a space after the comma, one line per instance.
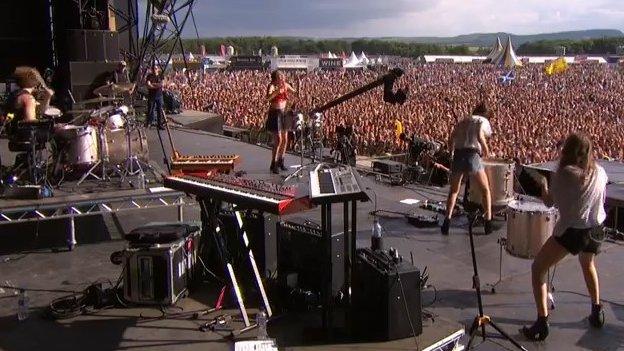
[280, 164]
[487, 226]
[445, 226]
[596, 318]
[538, 331]
[273, 168]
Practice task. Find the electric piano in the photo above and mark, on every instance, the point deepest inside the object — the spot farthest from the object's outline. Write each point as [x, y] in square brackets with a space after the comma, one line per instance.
[184, 164]
[244, 192]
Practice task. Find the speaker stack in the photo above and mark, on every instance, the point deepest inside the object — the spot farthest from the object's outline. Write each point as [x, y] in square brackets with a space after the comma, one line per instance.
[86, 42]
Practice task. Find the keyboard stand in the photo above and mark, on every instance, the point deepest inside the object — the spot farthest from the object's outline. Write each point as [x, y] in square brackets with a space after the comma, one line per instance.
[209, 209]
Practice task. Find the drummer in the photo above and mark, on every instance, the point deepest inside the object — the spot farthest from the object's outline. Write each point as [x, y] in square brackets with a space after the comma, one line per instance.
[468, 144]
[25, 105]
[578, 192]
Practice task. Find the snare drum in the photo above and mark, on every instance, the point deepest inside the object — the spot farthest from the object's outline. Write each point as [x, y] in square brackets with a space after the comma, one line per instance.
[79, 144]
[500, 177]
[529, 225]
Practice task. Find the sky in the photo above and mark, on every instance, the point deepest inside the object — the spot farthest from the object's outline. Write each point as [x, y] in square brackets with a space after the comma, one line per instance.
[376, 18]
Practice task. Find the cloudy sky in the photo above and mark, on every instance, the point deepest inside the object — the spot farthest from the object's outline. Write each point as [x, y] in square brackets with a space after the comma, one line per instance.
[357, 18]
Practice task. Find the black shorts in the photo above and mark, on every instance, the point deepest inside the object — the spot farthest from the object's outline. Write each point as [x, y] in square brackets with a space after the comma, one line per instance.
[275, 121]
[582, 240]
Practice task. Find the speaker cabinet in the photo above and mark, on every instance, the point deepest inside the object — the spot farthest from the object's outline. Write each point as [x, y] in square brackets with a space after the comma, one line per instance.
[301, 250]
[91, 45]
[86, 76]
[386, 296]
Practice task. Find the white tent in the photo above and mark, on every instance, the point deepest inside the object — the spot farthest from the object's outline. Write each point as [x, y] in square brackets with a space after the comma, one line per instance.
[190, 57]
[363, 59]
[496, 50]
[352, 61]
[507, 58]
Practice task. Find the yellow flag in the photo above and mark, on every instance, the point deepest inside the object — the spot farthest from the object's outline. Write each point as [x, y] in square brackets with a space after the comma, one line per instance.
[398, 128]
[557, 66]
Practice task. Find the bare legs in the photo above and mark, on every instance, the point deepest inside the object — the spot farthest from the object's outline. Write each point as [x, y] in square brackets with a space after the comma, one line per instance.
[280, 141]
[551, 253]
[479, 179]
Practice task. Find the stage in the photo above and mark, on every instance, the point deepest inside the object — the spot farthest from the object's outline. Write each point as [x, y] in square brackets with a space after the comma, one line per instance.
[34, 257]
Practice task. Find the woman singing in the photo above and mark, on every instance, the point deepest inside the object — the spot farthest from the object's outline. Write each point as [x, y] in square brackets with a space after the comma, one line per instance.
[578, 192]
[277, 94]
[468, 142]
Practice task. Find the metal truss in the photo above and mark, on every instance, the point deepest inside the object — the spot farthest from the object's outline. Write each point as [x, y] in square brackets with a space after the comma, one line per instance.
[162, 30]
[105, 205]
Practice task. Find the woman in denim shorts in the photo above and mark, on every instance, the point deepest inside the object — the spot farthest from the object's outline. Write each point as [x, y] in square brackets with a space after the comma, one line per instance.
[468, 142]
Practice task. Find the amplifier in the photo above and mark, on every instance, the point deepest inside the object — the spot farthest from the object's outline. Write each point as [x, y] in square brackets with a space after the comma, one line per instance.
[159, 274]
[260, 229]
[386, 296]
[387, 167]
[301, 250]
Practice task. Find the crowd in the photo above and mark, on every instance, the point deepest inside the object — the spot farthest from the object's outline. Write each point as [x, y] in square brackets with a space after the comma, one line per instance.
[530, 116]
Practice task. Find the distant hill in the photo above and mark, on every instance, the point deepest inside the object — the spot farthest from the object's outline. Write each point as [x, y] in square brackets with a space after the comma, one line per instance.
[487, 39]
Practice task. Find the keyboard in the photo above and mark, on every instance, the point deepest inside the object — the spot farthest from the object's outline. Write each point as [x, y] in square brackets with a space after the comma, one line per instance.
[243, 192]
[336, 185]
[184, 164]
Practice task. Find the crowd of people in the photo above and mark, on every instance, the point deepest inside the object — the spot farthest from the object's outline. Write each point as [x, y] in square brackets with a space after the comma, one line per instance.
[530, 115]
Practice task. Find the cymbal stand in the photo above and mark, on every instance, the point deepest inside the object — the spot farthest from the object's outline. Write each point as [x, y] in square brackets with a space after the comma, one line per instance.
[303, 168]
[133, 165]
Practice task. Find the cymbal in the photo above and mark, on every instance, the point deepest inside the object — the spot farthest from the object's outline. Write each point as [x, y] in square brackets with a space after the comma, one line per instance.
[112, 89]
[78, 112]
[99, 100]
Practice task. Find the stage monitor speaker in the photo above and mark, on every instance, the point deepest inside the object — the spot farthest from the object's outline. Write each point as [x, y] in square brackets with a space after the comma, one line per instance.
[386, 297]
[301, 251]
[91, 45]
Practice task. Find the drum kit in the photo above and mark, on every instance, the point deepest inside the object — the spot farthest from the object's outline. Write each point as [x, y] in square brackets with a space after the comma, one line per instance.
[529, 222]
[97, 143]
[110, 141]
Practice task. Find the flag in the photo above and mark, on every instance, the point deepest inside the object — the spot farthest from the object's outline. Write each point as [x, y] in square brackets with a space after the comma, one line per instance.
[223, 53]
[557, 66]
[398, 128]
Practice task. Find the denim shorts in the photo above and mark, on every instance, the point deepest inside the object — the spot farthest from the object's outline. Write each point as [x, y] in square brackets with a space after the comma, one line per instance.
[466, 161]
[582, 240]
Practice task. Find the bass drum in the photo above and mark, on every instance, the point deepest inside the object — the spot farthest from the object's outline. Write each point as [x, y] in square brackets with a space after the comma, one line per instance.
[500, 176]
[117, 145]
[529, 225]
[78, 145]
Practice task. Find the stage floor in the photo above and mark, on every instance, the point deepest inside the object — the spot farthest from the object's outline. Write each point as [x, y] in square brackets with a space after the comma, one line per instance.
[50, 273]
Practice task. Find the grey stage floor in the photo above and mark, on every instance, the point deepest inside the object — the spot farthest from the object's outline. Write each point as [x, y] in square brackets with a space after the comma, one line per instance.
[48, 273]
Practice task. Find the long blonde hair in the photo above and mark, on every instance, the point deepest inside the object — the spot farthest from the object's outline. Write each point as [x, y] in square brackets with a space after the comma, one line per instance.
[577, 151]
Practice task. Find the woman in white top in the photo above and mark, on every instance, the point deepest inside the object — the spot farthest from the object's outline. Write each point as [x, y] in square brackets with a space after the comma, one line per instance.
[468, 145]
[578, 192]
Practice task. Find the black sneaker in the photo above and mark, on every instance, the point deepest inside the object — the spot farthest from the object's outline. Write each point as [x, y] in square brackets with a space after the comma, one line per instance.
[445, 226]
[597, 318]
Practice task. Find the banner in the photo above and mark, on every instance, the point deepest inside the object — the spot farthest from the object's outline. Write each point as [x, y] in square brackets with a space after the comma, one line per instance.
[330, 63]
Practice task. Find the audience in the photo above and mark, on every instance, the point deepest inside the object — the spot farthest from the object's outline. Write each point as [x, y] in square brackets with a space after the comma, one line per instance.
[530, 117]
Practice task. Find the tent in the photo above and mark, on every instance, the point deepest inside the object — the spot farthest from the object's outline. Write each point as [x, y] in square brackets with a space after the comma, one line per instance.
[352, 61]
[330, 55]
[363, 59]
[496, 50]
[507, 58]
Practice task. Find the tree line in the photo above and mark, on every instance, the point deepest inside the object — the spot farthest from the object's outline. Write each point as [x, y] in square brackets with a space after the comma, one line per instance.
[602, 46]
[286, 46]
